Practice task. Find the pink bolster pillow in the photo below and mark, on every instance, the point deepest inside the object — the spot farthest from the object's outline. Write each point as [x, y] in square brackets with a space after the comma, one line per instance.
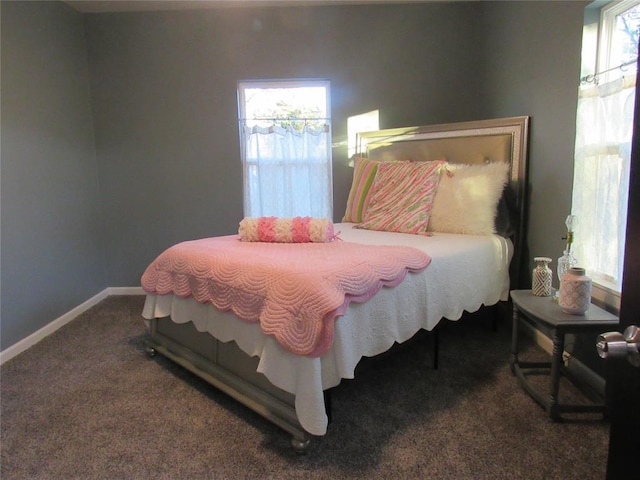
[286, 230]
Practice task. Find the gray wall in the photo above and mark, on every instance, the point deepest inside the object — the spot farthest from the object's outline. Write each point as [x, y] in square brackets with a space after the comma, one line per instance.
[166, 111]
[53, 255]
[537, 72]
[532, 67]
[164, 107]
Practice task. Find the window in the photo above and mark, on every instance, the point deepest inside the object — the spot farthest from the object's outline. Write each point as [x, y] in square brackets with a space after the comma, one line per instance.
[618, 39]
[604, 131]
[285, 143]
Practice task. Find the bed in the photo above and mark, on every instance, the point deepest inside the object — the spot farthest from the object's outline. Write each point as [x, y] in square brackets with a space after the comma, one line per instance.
[465, 272]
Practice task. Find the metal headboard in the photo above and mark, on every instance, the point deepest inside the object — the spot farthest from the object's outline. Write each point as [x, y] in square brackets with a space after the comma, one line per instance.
[483, 141]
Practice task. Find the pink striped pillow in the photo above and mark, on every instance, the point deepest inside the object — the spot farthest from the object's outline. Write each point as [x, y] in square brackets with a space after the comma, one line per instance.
[364, 173]
[402, 197]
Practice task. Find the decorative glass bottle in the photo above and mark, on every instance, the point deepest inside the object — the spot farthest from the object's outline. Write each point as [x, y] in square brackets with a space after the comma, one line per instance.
[541, 280]
[567, 260]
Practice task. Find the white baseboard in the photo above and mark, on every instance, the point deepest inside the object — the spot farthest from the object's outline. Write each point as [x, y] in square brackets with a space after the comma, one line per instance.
[17, 348]
[125, 291]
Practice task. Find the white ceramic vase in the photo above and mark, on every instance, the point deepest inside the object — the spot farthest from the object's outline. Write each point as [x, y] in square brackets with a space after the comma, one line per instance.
[575, 291]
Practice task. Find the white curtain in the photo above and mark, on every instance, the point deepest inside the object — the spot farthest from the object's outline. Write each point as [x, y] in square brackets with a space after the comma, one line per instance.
[287, 171]
[604, 131]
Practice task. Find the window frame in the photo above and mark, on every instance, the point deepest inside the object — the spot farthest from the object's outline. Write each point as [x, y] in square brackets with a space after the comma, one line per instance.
[284, 83]
[246, 122]
[596, 61]
[606, 30]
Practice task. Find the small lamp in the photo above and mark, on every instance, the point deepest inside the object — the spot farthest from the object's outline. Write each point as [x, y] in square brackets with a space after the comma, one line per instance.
[567, 260]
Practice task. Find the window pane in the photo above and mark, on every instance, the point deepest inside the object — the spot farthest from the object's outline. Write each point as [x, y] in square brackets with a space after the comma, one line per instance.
[624, 42]
[285, 140]
[619, 39]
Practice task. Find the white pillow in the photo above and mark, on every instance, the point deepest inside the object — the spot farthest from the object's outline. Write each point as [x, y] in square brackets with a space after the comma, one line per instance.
[467, 198]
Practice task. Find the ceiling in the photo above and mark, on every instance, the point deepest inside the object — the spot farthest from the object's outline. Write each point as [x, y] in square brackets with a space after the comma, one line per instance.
[97, 6]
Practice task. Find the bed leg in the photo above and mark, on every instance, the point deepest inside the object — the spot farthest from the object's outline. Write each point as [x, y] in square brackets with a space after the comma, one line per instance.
[150, 351]
[495, 313]
[327, 404]
[300, 445]
[436, 345]
[499, 313]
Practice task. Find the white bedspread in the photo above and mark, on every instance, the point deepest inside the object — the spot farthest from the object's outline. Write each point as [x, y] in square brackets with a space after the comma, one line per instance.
[466, 272]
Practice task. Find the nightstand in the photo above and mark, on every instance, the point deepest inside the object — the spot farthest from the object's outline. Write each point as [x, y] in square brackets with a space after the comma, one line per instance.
[546, 313]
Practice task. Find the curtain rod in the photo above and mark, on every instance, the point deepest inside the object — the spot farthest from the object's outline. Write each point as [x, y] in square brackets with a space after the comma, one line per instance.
[276, 119]
[594, 76]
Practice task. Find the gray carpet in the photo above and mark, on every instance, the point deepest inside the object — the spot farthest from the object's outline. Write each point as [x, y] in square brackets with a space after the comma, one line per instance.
[87, 403]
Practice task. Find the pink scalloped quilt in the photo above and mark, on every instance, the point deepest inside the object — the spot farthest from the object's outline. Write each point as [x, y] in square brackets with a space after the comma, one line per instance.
[294, 290]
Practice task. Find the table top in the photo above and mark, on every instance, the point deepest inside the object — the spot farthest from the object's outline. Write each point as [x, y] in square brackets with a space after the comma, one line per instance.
[547, 311]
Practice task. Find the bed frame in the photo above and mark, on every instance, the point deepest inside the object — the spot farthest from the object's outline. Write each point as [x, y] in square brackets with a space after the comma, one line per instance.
[228, 368]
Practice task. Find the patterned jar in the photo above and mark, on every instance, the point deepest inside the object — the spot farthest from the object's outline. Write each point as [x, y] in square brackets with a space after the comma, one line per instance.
[541, 280]
[575, 291]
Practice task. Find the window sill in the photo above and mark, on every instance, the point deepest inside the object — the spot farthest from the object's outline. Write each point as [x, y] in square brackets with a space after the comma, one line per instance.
[606, 298]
